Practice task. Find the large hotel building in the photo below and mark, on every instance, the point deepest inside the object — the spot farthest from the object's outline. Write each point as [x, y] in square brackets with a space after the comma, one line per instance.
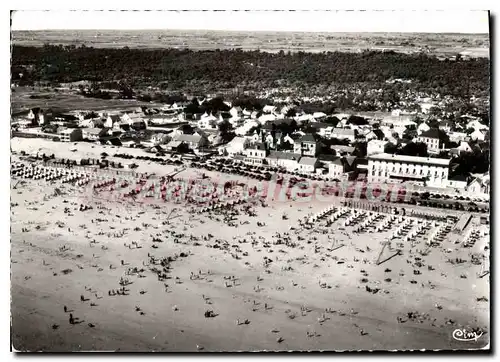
[387, 168]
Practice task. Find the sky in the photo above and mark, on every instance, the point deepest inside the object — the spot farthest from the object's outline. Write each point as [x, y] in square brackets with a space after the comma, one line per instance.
[456, 21]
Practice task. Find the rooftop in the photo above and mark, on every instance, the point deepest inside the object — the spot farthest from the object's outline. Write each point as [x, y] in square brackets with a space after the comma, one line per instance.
[328, 157]
[431, 133]
[410, 159]
[284, 155]
[188, 138]
[343, 131]
[307, 138]
[311, 161]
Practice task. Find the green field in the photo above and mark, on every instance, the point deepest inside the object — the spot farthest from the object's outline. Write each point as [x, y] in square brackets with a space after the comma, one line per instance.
[65, 101]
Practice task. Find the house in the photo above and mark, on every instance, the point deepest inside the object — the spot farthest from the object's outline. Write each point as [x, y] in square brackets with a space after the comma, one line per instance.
[458, 182]
[194, 142]
[288, 139]
[256, 154]
[306, 146]
[134, 120]
[269, 141]
[334, 165]
[111, 120]
[288, 160]
[479, 185]
[236, 112]
[209, 122]
[173, 145]
[235, 146]
[477, 125]
[93, 134]
[422, 127]
[477, 135]
[70, 135]
[464, 147]
[343, 133]
[457, 136]
[375, 146]
[445, 126]
[308, 164]
[160, 138]
[97, 122]
[269, 109]
[432, 139]
[37, 117]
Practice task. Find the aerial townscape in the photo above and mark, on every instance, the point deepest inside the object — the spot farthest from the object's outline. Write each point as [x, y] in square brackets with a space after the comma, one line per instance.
[244, 200]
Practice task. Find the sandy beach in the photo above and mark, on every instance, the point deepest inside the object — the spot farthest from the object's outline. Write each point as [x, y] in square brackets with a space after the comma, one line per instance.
[261, 283]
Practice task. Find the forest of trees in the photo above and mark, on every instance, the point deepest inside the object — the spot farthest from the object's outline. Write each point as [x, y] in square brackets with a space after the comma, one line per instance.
[178, 69]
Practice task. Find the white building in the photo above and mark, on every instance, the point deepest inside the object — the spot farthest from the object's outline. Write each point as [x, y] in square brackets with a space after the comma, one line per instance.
[194, 142]
[375, 146]
[288, 160]
[476, 125]
[479, 185]
[207, 123]
[112, 120]
[457, 136]
[422, 127]
[387, 168]
[336, 168]
[431, 139]
[70, 135]
[256, 154]
[134, 119]
[236, 112]
[306, 145]
[477, 135]
[93, 134]
[308, 164]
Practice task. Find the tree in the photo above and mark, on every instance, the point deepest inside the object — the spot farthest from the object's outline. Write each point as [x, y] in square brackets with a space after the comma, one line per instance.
[225, 127]
[291, 112]
[391, 148]
[435, 111]
[332, 121]
[410, 133]
[414, 149]
[360, 149]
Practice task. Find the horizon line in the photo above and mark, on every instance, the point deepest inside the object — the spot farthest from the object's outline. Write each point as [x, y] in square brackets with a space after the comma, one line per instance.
[255, 31]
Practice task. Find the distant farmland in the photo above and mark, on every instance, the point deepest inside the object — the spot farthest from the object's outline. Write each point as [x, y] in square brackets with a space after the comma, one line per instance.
[474, 45]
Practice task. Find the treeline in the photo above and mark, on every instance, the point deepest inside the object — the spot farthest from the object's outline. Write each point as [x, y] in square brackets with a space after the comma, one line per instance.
[231, 68]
